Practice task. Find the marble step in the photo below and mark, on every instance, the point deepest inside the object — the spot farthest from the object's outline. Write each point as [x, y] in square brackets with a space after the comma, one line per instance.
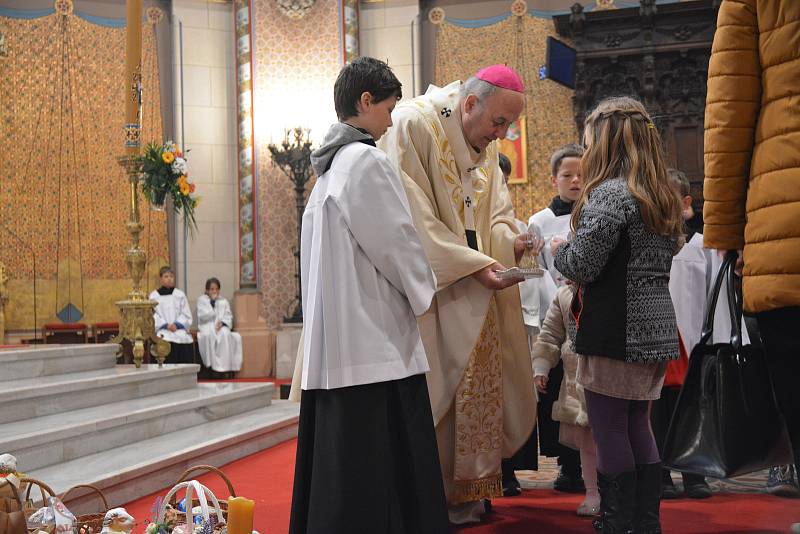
[145, 466]
[46, 360]
[70, 435]
[29, 398]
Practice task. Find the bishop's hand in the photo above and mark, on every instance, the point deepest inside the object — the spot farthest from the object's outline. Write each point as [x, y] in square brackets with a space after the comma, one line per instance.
[489, 279]
[529, 242]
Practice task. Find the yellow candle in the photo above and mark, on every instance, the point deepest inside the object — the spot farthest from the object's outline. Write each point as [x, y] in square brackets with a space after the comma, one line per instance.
[240, 515]
[133, 61]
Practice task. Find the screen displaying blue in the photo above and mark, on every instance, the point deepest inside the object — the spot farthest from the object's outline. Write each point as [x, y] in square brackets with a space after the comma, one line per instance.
[560, 62]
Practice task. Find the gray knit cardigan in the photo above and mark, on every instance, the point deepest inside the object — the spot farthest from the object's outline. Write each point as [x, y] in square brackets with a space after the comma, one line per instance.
[622, 308]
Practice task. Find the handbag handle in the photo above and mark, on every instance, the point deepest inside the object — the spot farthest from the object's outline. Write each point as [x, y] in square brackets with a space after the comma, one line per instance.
[734, 291]
[713, 297]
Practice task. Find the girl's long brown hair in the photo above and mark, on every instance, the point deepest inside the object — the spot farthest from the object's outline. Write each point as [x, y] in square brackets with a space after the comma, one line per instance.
[623, 143]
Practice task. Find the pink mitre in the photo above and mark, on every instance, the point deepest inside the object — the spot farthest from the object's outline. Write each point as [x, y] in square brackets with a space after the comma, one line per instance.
[502, 76]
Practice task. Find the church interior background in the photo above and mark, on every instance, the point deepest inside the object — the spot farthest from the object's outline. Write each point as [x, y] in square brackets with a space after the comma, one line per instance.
[225, 79]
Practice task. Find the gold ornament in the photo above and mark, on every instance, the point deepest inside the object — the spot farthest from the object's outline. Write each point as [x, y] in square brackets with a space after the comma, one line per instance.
[605, 4]
[295, 9]
[154, 15]
[436, 15]
[519, 7]
[63, 7]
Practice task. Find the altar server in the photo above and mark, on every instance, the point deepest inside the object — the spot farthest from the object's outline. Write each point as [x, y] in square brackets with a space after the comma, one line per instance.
[365, 413]
[173, 318]
[220, 348]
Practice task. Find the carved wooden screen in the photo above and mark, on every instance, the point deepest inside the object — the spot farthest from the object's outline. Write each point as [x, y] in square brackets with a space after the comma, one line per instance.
[658, 54]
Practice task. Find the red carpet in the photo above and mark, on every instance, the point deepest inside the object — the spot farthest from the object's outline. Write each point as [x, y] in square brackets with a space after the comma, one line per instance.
[266, 477]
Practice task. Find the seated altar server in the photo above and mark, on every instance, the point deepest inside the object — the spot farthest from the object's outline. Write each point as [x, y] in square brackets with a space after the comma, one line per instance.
[366, 449]
[173, 317]
[220, 348]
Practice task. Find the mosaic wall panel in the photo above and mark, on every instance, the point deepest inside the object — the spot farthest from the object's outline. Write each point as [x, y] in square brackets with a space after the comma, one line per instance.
[519, 42]
[245, 166]
[63, 197]
[298, 54]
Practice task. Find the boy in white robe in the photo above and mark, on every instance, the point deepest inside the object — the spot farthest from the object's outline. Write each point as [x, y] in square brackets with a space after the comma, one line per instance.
[220, 348]
[553, 224]
[366, 449]
[173, 318]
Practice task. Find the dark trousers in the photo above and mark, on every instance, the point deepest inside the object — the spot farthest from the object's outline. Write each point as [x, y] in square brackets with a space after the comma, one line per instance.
[548, 429]
[779, 334]
[180, 353]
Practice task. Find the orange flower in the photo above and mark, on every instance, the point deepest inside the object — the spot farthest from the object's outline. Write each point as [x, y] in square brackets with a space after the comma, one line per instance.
[184, 189]
[191, 188]
[168, 157]
[182, 181]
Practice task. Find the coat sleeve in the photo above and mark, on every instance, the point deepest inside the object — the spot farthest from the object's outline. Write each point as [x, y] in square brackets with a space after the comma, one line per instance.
[159, 320]
[504, 228]
[226, 315]
[602, 221]
[205, 313]
[553, 334]
[733, 103]
[373, 204]
[407, 144]
[184, 311]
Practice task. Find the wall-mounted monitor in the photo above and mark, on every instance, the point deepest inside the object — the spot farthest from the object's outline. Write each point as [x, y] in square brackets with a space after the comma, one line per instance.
[561, 62]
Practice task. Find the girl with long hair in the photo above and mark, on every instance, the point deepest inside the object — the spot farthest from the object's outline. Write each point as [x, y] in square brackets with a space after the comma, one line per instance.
[627, 226]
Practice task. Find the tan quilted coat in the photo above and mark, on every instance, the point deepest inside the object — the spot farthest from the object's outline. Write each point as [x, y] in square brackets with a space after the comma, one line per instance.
[752, 147]
[554, 344]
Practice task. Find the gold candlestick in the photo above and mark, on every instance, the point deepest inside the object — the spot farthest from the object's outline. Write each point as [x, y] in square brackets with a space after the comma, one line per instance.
[136, 312]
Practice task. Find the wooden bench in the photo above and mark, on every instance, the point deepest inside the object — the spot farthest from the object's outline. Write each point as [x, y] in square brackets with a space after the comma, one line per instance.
[65, 333]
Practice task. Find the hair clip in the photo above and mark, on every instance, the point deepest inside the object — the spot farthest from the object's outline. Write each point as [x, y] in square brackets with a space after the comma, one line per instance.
[651, 125]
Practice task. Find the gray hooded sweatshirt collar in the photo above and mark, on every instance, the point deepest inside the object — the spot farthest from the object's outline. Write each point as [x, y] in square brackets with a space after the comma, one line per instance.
[339, 135]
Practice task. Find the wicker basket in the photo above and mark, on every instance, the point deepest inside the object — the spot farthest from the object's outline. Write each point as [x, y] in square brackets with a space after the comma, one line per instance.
[30, 506]
[88, 521]
[209, 506]
[201, 469]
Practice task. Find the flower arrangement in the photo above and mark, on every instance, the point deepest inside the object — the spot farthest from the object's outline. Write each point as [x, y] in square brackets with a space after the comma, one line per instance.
[165, 174]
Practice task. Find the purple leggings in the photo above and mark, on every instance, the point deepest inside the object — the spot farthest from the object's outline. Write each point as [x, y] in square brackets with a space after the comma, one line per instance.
[622, 432]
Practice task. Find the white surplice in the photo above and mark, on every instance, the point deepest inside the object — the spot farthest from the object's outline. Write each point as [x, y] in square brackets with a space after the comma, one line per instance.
[688, 288]
[221, 350]
[171, 309]
[365, 275]
[550, 225]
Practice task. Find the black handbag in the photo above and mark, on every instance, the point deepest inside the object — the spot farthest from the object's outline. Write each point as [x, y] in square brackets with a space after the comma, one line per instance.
[726, 421]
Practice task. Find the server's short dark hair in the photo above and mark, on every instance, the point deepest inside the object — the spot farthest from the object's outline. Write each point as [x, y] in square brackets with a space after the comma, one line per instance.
[164, 270]
[364, 75]
[505, 163]
[213, 280]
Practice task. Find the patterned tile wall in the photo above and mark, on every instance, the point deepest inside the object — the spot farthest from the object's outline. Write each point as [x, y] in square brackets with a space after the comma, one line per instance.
[292, 57]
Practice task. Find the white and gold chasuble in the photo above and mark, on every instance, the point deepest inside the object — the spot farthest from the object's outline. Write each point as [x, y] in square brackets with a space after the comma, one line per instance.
[481, 381]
